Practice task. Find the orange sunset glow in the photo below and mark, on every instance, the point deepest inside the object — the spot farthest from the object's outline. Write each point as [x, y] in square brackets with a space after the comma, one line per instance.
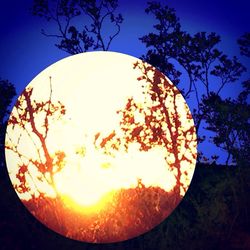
[101, 147]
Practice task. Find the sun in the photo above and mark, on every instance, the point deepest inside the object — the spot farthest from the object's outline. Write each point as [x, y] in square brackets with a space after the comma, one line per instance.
[93, 136]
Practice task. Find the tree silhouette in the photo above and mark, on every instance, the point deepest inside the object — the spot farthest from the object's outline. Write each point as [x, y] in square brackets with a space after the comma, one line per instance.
[162, 120]
[177, 53]
[232, 136]
[31, 119]
[81, 25]
[244, 42]
[216, 200]
[7, 91]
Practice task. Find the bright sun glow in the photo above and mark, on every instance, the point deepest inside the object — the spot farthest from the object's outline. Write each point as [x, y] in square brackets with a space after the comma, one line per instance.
[93, 88]
[87, 180]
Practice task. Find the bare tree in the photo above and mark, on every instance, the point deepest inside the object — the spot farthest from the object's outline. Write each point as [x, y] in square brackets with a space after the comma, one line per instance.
[32, 119]
[197, 57]
[162, 120]
[81, 25]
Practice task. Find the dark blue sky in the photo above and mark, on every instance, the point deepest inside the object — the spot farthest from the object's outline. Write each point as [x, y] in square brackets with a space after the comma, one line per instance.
[25, 52]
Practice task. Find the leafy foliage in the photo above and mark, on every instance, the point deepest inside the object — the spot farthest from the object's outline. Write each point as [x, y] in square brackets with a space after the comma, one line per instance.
[130, 212]
[7, 92]
[33, 118]
[177, 53]
[211, 213]
[232, 136]
[214, 214]
[244, 42]
[161, 120]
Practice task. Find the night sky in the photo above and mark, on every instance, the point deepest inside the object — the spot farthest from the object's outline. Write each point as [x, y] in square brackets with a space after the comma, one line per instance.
[25, 52]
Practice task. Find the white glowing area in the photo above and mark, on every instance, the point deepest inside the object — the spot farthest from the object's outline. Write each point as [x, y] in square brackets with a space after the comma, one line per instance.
[86, 181]
[93, 88]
